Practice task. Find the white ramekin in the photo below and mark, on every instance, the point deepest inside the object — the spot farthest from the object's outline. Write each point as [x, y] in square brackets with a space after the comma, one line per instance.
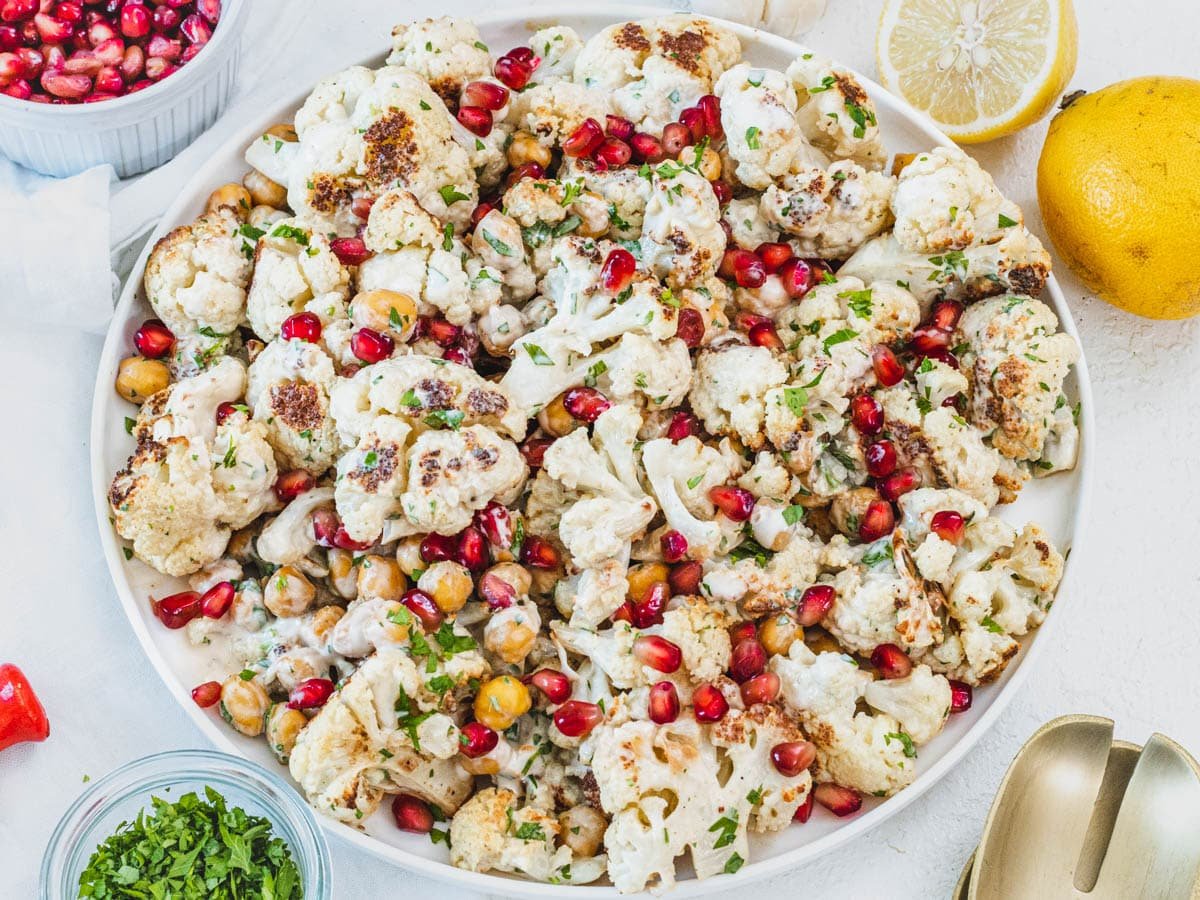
[135, 132]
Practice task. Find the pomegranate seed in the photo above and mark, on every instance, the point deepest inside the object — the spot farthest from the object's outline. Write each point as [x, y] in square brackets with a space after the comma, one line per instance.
[658, 653]
[797, 277]
[442, 332]
[866, 414]
[51, 30]
[110, 53]
[646, 148]
[100, 31]
[206, 694]
[948, 525]
[69, 11]
[18, 10]
[133, 63]
[525, 170]
[135, 21]
[210, 9]
[217, 599]
[748, 269]
[585, 404]
[710, 105]
[10, 38]
[960, 696]
[457, 355]
[553, 683]
[743, 631]
[840, 801]
[899, 483]
[311, 693]
[177, 610]
[683, 424]
[361, 207]
[412, 814]
[709, 704]
[614, 152]
[472, 550]
[945, 314]
[794, 757]
[815, 604]
[514, 71]
[675, 137]
[693, 120]
[303, 326]
[290, 485]
[437, 548]
[351, 251]
[533, 450]
[153, 340]
[371, 346]
[804, 810]
[877, 521]
[881, 459]
[760, 689]
[476, 739]
[158, 69]
[674, 546]
[648, 611]
[109, 81]
[20, 89]
[584, 140]
[745, 321]
[747, 660]
[165, 19]
[67, 87]
[575, 718]
[774, 256]
[927, 339]
[685, 579]
[891, 661]
[485, 94]
[735, 502]
[617, 127]
[160, 47]
[325, 526]
[483, 209]
[957, 402]
[475, 119]
[764, 335]
[689, 327]
[224, 411]
[496, 592]
[421, 605]
[81, 62]
[539, 553]
[887, 368]
[942, 356]
[663, 703]
[33, 62]
[342, 540]
[495, 521]
[724, 193]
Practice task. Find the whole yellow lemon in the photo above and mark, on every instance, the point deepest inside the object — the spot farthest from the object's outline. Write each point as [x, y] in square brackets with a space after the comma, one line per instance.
[1119, 189]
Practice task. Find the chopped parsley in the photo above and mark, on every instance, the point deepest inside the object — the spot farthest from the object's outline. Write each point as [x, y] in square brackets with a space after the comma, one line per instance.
[733, 864]
[530, 831]
[448, 237]
[450, 418]
[859, 302]
[838, 337]
[496, 244]
[861, 117]
[990, 624]
[752, 134]
[292, 233]
[796, 399]
[909, 750]
[793, 514]
[826, 84]
[1006, 222]
[451, 194]
[726, 829]
[538, 355]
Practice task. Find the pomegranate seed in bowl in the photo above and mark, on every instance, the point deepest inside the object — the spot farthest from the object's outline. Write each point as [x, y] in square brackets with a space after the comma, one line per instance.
[693, 120]
[709, 704]
[684, 578]
[515, 70]
[658, 653]
[553, 683]
[476, 740]
[764, 335]
[177, 610]
[472, 552]
[153, 340]
[674, 138]
[646, 148]
[866, 414]
[663, 703]
[899, 483]
[290, 485]
[539, 553]
[585, 404]
[421, 605]
[881, 459]
[891, 661]
[215, 602]
[412, 814]
[793, 757]
[683, 424]
[371, 346]
[438, 548]
[774, 256]
[614, 152]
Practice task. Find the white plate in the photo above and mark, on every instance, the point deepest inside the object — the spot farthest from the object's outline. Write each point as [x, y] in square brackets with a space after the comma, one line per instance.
[1058, 503]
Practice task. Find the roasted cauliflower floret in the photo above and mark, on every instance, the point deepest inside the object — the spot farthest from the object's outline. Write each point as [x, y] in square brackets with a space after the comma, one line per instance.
[196, 275]
[288, 392]
[682, 240]
[730, 387]
[447, 52]
[558, 46]
[670, 467]
[289, 537]
[370, 478]
[835, 112]
[552, 111]
[766, 582]
[294, 271]
[758, 115]
[624, 190]
[920, 702]
[640, 369]
[244, 470]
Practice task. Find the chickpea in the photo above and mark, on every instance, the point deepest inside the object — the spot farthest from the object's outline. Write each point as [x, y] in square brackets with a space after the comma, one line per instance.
[232, 195]
[264, 191]
[264, 217]
[500, 702]
[449, 584]
[298, 665]
[254, 347]
[511, 634]
[848, 508]
[139, 378]
[543, 581]
[408, 555]
[321, 623]
[391, 623]
[285, 131]
[592, 210]
[709, 164]
[582, 829]
[555, 419]
[481, 765]
[343, 576]
[513, 574]
[283, 727]
[380, 576]
[288, 593]
[243, 705]
[643, 576]
[526, 149]
[900, 162]
[777, 633]
[820, 641]
[387, 312]
[241, 545]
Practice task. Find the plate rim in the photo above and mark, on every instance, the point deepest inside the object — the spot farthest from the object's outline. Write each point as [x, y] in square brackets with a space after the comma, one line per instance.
[103, 400]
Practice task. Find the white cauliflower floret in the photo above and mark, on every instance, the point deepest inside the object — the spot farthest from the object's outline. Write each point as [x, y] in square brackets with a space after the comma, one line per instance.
[613, 57]
[835, 112]
[244, 471]
[594, 594]
[288, 392]
[682, 239]
[701, 632]
[663, 90]
[288, 538]
[767, 477]
[961, 458]
[769, 585]
[623, 189]
[370, 478]
[294, 271]
[831, 212]
[339, 759]
[492, 832]
[447, 52]
[453, 473]
[196, 275]
[558, 46]
[669, 466]
[933, 555]
[659, 373]
[945, 201]
[397, 220]
[192, 402]
[1018, 361]
[937, 382]
[420, 388]
[552, 111]
[497, 242]
[920, 702]
[730, 387]
[748, 224]
[758, 115]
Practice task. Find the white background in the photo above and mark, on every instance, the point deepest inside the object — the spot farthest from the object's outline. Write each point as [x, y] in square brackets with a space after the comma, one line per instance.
[1126, 646]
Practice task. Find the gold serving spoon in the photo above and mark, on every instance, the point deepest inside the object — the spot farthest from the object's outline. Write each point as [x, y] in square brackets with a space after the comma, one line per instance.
[1081, 816]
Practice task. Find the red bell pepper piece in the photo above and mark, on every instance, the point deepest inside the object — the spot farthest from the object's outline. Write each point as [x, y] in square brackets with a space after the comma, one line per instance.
[22, 717]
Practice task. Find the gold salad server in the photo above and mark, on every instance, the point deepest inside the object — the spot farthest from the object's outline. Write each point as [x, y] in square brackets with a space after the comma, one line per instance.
[1080, 816]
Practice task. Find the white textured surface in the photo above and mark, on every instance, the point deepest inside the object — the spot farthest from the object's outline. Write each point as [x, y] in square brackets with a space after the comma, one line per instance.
[1123, 648]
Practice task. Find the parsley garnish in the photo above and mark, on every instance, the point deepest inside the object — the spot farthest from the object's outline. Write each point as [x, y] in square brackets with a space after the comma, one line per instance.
[859, 302]
[793, 514]
[838, 337]
[727, 828]
[451, 418]
[451, 194]
[448, 237]
[292, 233]
[530, 831]
[733, 864]
[1006, 222]
[752, 134]
[990, 624]
[538, 355]
[909, 750]
[496, 244]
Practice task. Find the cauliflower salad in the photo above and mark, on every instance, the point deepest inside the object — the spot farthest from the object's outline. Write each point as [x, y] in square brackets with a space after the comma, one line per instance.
[593, 451]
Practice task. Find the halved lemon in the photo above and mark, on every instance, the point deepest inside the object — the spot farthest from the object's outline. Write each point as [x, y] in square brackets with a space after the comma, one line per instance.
[981, 69]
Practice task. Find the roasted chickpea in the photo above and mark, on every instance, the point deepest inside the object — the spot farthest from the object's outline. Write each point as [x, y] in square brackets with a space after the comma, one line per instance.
[387, 312]
[642, 577]
[819, 640]
[297, 665]
[284, 725]
[526, 149]
[241, 545]
[232, 195]
[343, 576]
[321, 623]
[501, 701]
[264, 191]
[900, 162]
[139, 378]
[555, 420]
[394, 622]
[448, 583]
[288, 593]
[582, 829]
[380, 576]
[408, 555]
[710, 162]
[263, 217]
[847, 509]
[778, 632]
[285, 131]
[254, 347]
[514, 575]
[243, 705]
[481, 765]
[511, 634]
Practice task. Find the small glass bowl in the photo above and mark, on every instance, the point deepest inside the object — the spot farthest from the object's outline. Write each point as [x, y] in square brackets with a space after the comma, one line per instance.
[120, 795]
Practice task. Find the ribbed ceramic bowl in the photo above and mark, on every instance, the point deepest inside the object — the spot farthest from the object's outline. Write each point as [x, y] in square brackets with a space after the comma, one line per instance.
[1057, 503]
[135, 132]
